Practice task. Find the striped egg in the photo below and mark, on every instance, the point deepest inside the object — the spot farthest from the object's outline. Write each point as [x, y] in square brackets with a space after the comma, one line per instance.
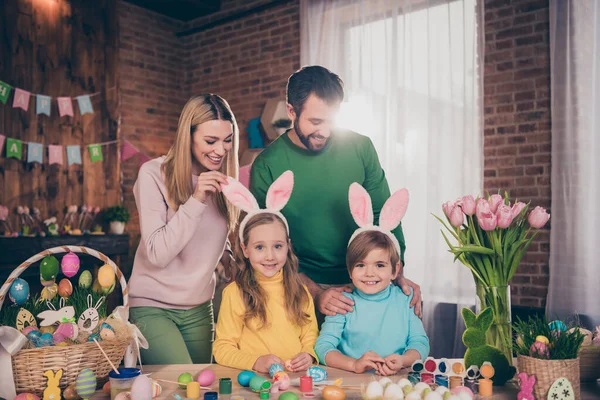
[156, 389]
[85, 385]
[318, 374]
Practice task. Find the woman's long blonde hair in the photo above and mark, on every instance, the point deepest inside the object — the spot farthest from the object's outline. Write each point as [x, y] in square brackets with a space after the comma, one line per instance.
[177, 167]
[254, 297]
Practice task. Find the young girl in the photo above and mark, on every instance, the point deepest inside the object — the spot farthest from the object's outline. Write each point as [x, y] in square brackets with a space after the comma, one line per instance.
[267, 316]
[381, 333]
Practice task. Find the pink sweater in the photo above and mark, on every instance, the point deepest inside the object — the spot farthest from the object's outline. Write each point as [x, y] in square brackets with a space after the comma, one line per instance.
[175, 261]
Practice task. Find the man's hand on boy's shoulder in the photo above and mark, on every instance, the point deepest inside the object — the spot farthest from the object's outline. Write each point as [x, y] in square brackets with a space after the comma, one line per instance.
[332, 301]
[406, 284]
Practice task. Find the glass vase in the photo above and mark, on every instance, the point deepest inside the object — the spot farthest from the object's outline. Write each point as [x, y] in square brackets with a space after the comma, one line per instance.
[500, 333]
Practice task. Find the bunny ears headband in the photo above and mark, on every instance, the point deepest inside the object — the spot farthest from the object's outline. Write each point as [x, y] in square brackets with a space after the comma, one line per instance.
[390, 216]
[277, 197]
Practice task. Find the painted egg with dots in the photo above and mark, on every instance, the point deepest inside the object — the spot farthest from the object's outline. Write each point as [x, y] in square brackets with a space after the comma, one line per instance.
[47, 339]
[19, 291]
[317, 374]
[85, 384]
[70, 264]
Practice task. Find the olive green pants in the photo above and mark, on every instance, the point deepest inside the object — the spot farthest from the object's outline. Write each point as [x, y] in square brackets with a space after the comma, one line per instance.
[176, 336]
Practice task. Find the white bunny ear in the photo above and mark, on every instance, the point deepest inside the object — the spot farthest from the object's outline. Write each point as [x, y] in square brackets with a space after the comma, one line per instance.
[61, 302]
[239, 196]
[280, 191]
[360, 205]
[393, 210]
[50, 305]
[99, 302]
[90, 301]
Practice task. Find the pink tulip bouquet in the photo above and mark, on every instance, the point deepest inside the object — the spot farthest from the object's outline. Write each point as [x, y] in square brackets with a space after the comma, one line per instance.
[491, 237]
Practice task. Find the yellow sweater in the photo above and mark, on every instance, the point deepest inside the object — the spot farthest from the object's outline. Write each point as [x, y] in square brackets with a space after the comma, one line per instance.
[239, 346]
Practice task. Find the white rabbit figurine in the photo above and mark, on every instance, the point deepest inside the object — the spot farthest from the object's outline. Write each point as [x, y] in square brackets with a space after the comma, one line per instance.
[88, 321]
[53, 316]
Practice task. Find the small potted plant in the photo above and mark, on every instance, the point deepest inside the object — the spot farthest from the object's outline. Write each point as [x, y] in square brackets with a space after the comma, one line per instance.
[117, 217]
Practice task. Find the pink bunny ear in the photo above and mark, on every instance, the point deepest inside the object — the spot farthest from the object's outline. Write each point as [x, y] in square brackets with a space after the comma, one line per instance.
[280, 191]
[393, 210]
[239, 196]
[360, 205]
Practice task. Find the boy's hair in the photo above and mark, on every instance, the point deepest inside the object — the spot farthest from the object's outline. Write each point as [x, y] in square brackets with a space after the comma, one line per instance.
[367, 241]
[313, 79]
[255, 299]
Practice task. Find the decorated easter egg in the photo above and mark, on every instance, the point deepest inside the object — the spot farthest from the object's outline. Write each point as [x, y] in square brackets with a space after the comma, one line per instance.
[274, 368]
[123, 396]
[393, 392]
[557, 325]
[334, 393]
[156, 389]
[95, 336]
[25, 320]
[106, 277]
[45, 340]
[70, 393]
[542, 339]
[282, 379]
[107, 334]
[65, 288]
[19, 291]
[34, 336]
[28, 329]
[288, 365]
[561, 389]
[58, 338]
[244, 378]
[539, 350]
[374, 390]
[142, 388]
[49, 292]
[85, 384]
[68, 330]
[85, 279]
[26, 396]
[318, 374]
[70, 264]
[258, 383]
[49, 268]
[206, 377]
[184, 379]
[288, 396]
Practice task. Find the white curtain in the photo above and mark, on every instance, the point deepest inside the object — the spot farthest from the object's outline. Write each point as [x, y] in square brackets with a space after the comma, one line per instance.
[575, 87]
[412, 73]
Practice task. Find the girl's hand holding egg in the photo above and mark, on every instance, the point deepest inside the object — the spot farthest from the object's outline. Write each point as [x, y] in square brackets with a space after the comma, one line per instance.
[263, 363]
[301, 362]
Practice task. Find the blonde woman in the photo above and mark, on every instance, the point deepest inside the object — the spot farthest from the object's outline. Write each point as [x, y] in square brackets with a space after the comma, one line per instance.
[184, 222]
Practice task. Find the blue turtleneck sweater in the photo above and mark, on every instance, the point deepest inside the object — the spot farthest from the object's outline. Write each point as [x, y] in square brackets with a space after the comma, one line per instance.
[382, 322]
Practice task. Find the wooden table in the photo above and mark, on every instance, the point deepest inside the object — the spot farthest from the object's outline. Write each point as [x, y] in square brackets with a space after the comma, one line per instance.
[172, 372]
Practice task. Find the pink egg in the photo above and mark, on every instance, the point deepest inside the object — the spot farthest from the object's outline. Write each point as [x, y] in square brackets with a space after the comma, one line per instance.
[141, 388]
[539, 350]
[70, 264]
[30, 328]
[206, 377]
[26, 396]
[462, 389]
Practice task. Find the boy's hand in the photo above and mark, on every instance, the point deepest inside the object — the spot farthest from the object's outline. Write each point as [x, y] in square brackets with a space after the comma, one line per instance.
[301, 362]
[263, 363]
[392, 364]
[369, 360]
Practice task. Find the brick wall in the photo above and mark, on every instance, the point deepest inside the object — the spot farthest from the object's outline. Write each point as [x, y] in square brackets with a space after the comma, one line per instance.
[517, 123]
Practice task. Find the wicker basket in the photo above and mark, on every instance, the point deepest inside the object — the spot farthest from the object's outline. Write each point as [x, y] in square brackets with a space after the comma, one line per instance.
[589, 367]
[548, 371]
[29, 364]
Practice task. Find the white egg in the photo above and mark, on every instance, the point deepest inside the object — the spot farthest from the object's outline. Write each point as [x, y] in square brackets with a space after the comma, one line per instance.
[453, 397]
[433, 396]
[419, 387]
[413, 396]
[385, 381]
[465, 396]
[442, 389]
[393, 392]
[404, 382]
[141, 388]
[374, 390]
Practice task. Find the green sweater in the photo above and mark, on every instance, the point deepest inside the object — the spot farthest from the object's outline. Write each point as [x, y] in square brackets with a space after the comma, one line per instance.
[318, 211]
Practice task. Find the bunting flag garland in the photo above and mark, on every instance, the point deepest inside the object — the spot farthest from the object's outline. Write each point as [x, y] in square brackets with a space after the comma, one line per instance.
[95, 152]
[4, 91]
[21, 99]
[73, 155]
[65, 106]
[13, 148]
[2, 138]
[55, 154]
[128, 151]
[42, 104]
[85, 105]
[34, 152]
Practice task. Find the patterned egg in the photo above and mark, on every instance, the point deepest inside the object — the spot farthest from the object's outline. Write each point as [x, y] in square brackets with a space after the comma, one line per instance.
[65, 288]
[141, 388]
[26, 396]
[94, 336]
[106, 276]
[68, 330]
[274, 368]
[45, 340]
[561, 389]
[19, 291]
[156, 389]
[288, 365]
[49, 292]
[85, 385]
[70, 393]
[85, 279]
[58, 337]
[206, 377]
[318, 374]
[70, 264]
[34, 336]
[107, 334]
[25, 320]
[335, 393]
[539, 350]
[49, 268]
[282, 379]
[244, 378]
[557, 325]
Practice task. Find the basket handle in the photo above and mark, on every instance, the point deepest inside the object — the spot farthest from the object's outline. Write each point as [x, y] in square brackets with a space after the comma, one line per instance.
[65, 249]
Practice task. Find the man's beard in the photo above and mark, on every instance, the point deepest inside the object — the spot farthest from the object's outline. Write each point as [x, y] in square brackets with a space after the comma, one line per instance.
[305, 139]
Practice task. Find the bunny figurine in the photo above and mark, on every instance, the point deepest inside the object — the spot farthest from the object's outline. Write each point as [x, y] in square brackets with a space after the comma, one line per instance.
[527, 384]
[52, 316]
[478, 351]
[52, 391]
[88, 321]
